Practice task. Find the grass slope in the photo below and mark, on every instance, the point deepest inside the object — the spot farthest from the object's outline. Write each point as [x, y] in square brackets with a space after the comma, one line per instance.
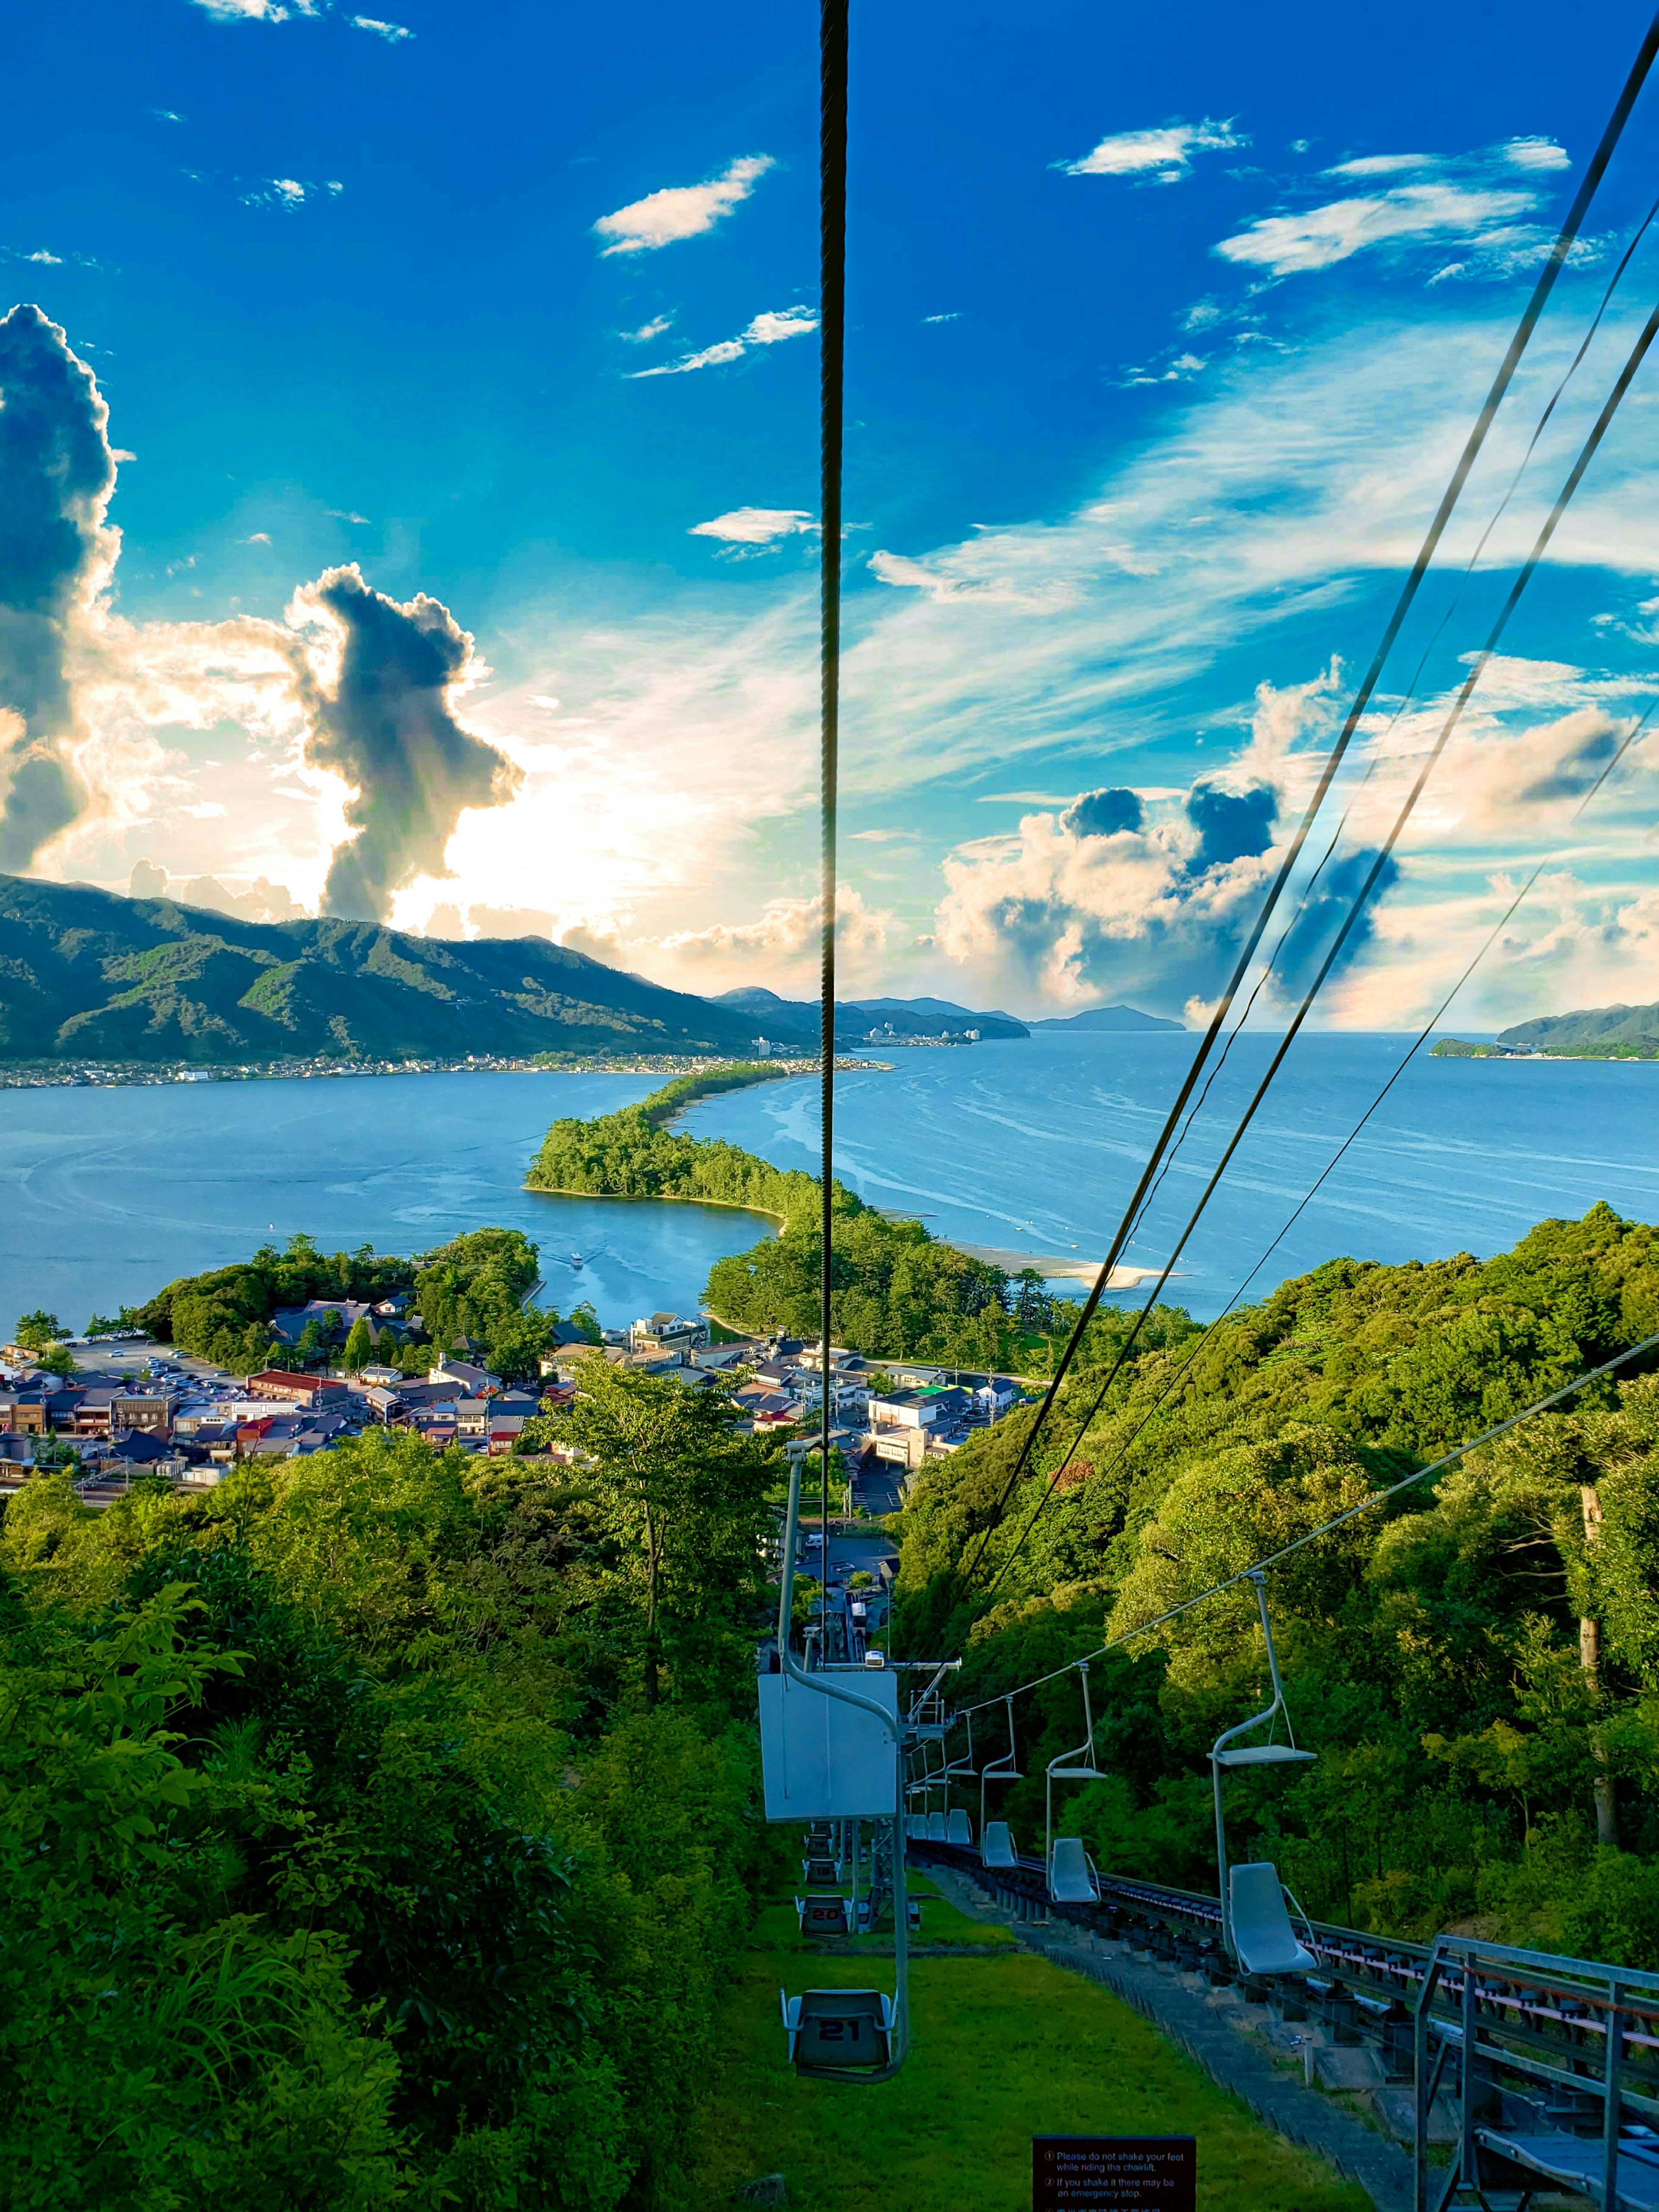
[1005, 2048]
[89, 975]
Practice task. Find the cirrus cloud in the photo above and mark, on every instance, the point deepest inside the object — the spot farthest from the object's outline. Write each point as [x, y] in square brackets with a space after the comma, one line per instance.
[768, 328]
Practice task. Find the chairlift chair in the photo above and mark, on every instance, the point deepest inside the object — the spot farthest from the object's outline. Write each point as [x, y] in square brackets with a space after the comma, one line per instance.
[824, 1916]
[839, 2031]
[1255, 1926]
[996, 1844]
[959, 1828]
[1074, 1866]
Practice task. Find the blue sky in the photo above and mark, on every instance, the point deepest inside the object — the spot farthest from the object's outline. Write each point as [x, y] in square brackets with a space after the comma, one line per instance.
[1165, 332]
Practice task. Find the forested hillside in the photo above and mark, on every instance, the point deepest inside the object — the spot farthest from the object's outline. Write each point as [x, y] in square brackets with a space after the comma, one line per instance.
[379, 1830]
[90, 976]
[898, 1292]
[473, 1287]
[1477, 1665]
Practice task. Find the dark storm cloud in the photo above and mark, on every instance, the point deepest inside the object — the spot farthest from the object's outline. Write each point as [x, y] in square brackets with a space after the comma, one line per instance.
[1103, 813]
[1322, 914]
[386, 727]
[1231, 826]
[57, 472]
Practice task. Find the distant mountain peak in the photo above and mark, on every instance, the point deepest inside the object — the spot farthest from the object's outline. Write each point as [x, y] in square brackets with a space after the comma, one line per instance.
[1119, 1019]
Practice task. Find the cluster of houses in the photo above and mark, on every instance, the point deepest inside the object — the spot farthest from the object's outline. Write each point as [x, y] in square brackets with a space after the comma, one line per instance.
[190, 1423]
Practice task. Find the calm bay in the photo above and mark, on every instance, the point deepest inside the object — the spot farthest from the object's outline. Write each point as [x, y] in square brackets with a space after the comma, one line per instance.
[1026, 1147]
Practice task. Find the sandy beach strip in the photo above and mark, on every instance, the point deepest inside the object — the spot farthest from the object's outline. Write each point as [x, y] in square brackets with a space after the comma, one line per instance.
[1052, 1269]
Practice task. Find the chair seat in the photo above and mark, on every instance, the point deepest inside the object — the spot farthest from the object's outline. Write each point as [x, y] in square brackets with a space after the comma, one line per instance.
[1262, 1754]
[1262, 1934]
[936, 1828]
[959, 1830]
[823, 1915]
[1071, 1875]
[840, 2028]
[997, 1845]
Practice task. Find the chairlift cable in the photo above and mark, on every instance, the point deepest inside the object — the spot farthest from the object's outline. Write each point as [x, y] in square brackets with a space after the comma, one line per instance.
[1312, 1535]
[1587, 452]
[1432, 1023]
[1406, 701]
[832, 349]
[1554, 263]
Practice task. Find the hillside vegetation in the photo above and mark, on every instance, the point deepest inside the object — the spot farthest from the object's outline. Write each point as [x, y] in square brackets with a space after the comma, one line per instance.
[379, 1830]
[1477, 1665]
[89, 975]
[472, 1287]
[898, 1293]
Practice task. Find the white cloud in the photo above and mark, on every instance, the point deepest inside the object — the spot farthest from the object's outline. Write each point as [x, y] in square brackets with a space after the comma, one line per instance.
[279, 192]
[781, 945]
[393, 34]
[645, 331]
[756, 526]
[548, 706]
[955, 316]
[1318, 237]
[51, 260]
[166, 115]
[259, 538]
[1162, 156]
[257, 11]
[768, 328]
[1383, 165]
[678, 211]
[1536, 154]
[345, 515]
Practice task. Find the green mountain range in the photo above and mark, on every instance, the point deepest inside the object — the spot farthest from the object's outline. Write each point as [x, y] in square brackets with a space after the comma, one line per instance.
[87, 975]
[1593, 1025]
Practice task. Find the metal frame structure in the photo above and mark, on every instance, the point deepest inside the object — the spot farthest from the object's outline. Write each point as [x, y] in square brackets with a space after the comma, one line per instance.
[1255, 1754]
[1058, 1771]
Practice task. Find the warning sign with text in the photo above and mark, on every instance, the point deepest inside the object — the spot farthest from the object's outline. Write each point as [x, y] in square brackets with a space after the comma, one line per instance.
[1125, 2173]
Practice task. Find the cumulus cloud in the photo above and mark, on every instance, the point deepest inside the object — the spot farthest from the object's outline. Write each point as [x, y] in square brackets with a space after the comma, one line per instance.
[768, 328]
[393, 34]
[1160, 156]
[678, 211]
[384, 689]
[780, 945]
[756, 526]
[57, 553]
[261, 901]
[1103, 813]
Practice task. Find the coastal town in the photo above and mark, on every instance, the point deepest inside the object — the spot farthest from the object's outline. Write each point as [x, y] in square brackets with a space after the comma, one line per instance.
[112, 1408]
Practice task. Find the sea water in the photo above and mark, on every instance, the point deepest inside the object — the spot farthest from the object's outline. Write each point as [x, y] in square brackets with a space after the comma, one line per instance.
[1029, 1145]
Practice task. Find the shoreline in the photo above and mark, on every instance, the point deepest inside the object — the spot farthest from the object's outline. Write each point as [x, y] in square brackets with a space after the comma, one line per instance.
[1053, 1268]
[657, 1198]
[88, 1075]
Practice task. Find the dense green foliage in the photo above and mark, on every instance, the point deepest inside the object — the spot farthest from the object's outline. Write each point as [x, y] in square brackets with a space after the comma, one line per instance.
[897, 1293]
[91, 975]
[1433, 1648]
[1592, 1025]
[472, 1287]
[378, 1830]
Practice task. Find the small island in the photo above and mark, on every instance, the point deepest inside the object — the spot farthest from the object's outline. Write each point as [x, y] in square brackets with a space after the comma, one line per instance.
[1597, 1033]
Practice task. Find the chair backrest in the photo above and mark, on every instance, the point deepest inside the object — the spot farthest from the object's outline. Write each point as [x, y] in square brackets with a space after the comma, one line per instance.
[997, 1845]
[936, 1828]
[915, 1826]
[1070, 1881]
[821, 1874]
[842, 2027]
[959, 1829]
[1262, 1934]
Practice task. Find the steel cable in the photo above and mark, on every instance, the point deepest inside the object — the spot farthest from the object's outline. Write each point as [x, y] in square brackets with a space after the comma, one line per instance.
[1554, 262]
